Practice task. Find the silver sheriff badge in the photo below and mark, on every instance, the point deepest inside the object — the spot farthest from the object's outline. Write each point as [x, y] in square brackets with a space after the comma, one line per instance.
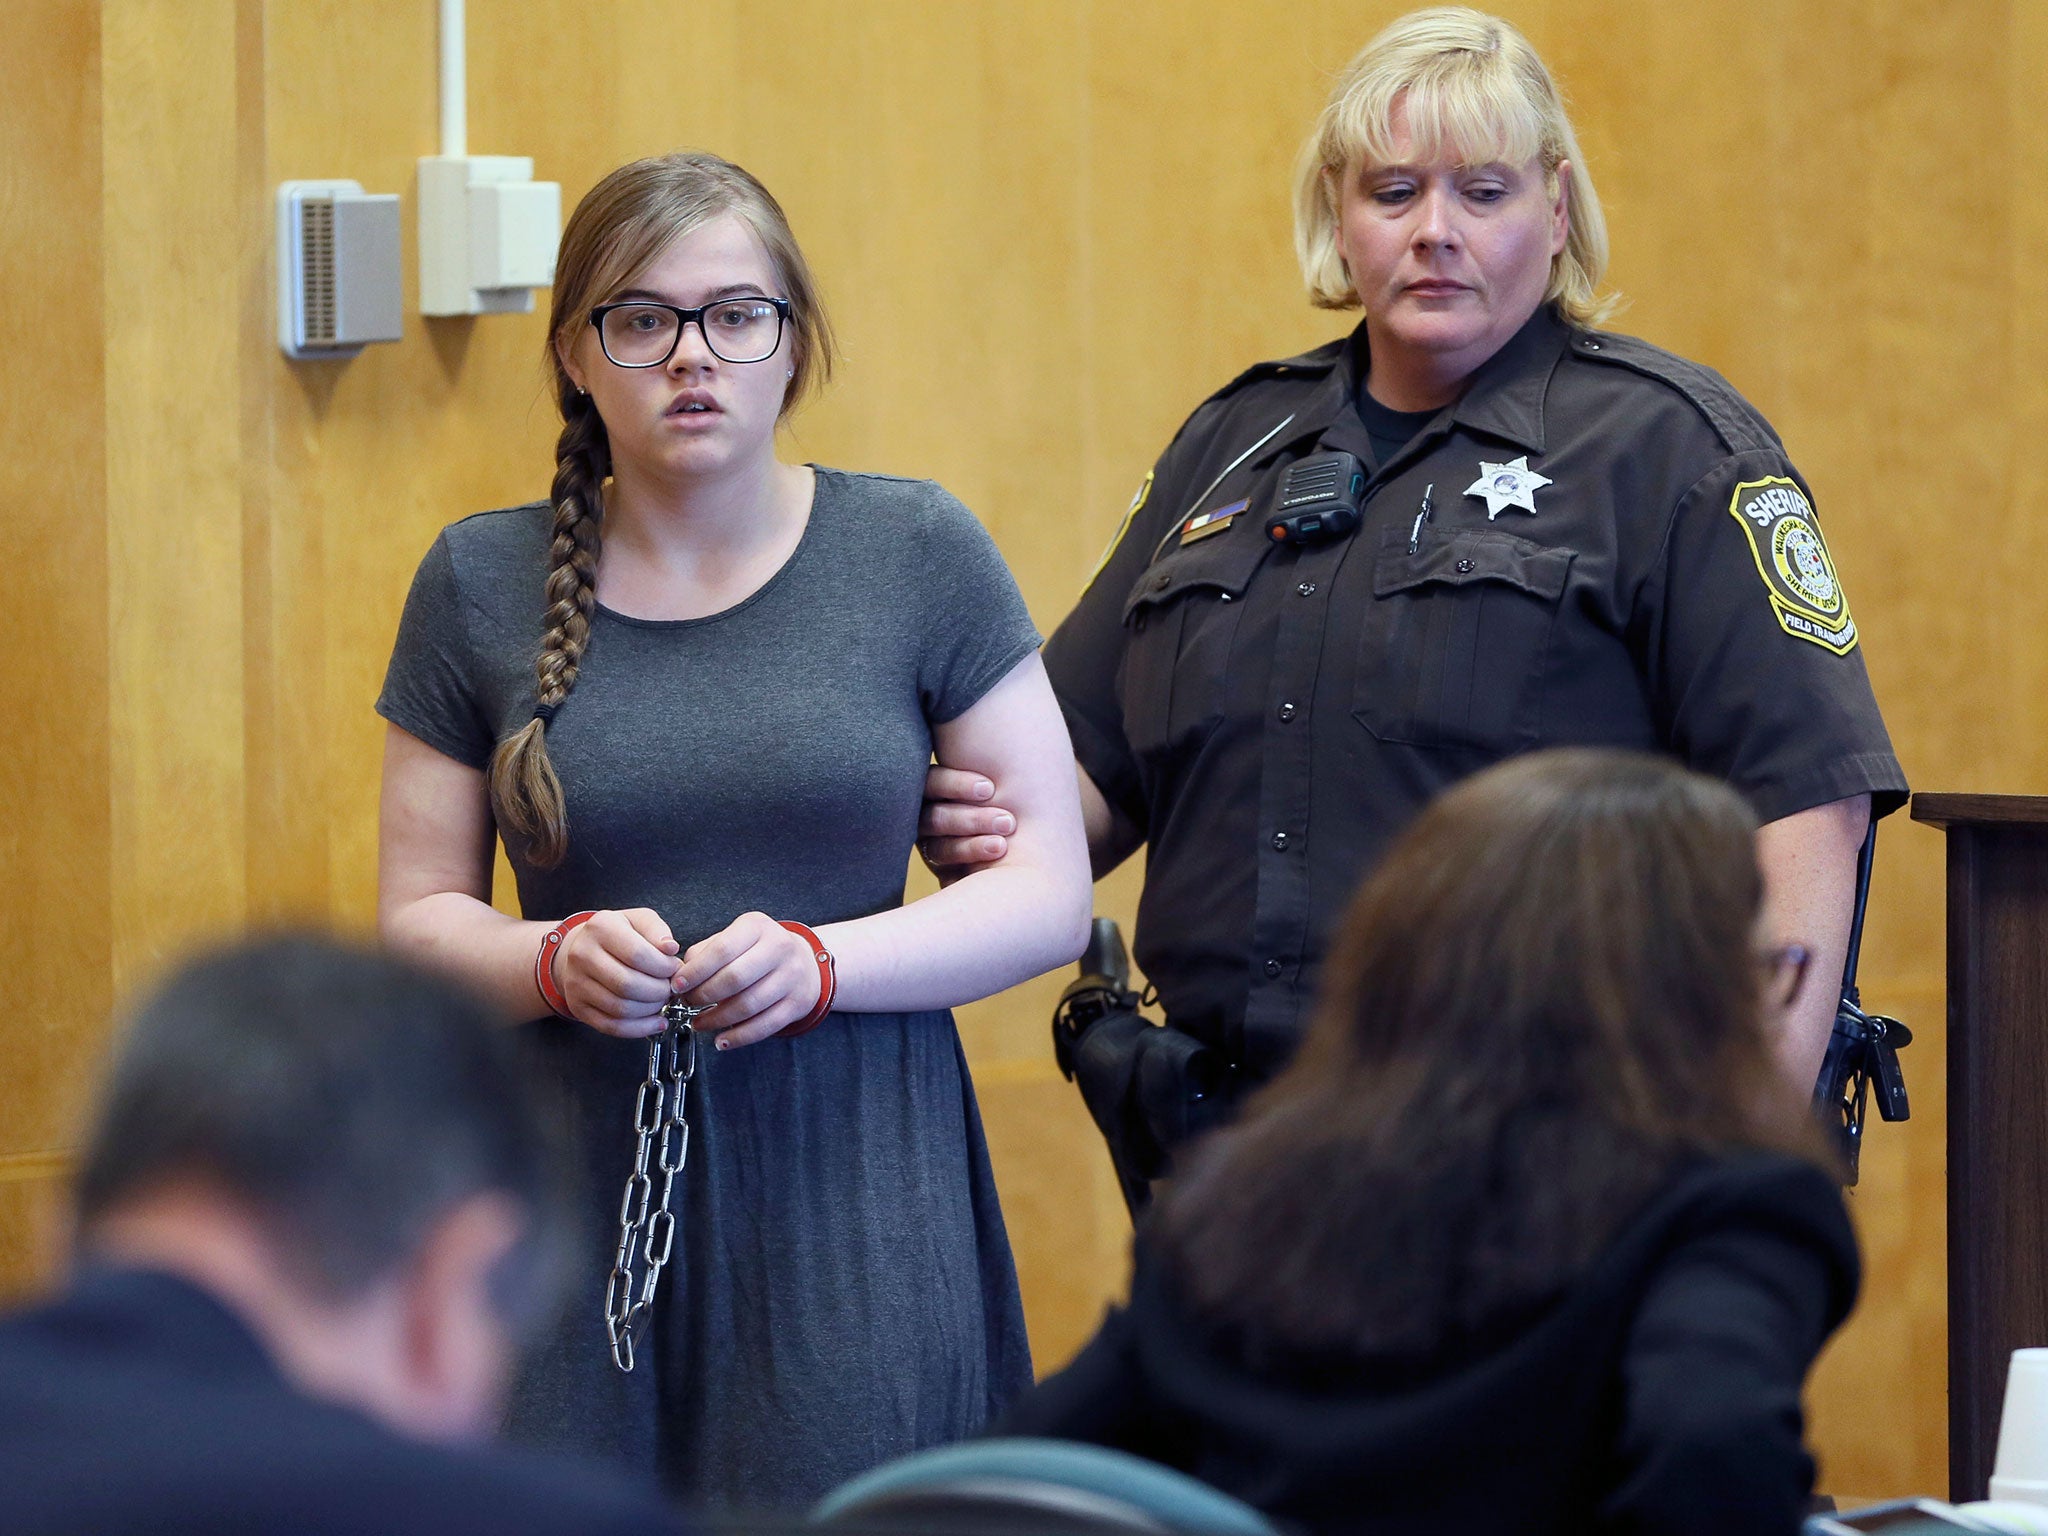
[1507, 485]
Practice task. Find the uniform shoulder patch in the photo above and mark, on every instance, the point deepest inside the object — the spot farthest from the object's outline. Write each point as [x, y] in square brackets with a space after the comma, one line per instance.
[1144, 494]
[1799, 574]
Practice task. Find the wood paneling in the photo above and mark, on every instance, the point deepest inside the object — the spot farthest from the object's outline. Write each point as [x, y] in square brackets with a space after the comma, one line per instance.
[32, 1224]
[1052, 1204]
[1046, 228]
[170, 266]
[1878, 1397]
[56, 892]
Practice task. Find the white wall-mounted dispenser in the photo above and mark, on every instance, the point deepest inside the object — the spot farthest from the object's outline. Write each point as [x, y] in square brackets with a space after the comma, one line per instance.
[487, 228]
[487, 234]
[338, 268]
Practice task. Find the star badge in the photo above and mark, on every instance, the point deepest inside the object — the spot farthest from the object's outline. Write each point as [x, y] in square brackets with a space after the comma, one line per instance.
[1507, 485]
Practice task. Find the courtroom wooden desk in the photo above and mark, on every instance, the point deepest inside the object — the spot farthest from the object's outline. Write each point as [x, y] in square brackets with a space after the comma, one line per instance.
[1997, 1108]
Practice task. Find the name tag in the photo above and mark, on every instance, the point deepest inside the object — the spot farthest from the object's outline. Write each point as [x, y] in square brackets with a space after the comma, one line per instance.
[1212, 522]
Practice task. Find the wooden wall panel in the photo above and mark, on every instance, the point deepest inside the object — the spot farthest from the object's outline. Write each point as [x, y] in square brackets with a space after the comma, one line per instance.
[1046, 228]
[33, 1232]
[56, 894]
[1878, 1398]
[2015, 392]
[173, 463]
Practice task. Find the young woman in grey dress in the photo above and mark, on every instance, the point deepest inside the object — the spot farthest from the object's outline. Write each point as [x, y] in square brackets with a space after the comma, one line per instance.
[696, 691]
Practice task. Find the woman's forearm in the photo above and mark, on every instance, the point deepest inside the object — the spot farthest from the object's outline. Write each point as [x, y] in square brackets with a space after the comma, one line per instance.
[1001, 925]
[435, 840]
[998, 926]
[471, 941]
[1007, 921]
[1808, 861]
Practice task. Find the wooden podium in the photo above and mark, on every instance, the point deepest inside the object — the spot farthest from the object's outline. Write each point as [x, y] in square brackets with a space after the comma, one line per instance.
[1997, 1108]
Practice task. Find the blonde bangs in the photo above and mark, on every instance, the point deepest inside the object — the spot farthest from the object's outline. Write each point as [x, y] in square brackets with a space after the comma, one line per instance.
[1453, 110]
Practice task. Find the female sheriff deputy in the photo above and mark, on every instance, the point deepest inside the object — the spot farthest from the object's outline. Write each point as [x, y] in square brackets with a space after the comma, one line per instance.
[1543, 534]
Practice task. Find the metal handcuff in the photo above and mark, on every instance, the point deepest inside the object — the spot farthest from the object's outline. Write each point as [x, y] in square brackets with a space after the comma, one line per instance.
[658, 1107]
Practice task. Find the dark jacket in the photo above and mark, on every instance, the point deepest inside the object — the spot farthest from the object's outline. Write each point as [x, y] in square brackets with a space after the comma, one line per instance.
[1659, 1393]
[1272, 718]
[134, 1402]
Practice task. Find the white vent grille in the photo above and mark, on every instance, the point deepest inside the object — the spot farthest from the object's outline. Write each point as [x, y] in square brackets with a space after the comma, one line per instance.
[316, 216]
[338, 269]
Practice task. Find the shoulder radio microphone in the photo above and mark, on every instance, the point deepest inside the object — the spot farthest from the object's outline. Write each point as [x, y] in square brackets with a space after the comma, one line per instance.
[1318, 500]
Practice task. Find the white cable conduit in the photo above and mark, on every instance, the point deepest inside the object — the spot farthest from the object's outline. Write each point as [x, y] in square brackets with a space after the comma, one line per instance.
[454, 82]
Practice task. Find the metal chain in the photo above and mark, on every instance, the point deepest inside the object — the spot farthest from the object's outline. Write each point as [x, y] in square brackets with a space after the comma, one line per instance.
[658, 1108]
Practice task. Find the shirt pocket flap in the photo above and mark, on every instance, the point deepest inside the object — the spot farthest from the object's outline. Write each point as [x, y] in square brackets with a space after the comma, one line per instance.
[1223, 565]
[1465, 558]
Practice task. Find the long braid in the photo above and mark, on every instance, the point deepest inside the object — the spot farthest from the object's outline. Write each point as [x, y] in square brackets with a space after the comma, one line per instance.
[621, 225]
[525, 793]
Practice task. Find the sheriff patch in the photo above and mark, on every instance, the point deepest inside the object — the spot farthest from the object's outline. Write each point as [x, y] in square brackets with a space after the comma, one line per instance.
[1793, 560]
[1130, 516]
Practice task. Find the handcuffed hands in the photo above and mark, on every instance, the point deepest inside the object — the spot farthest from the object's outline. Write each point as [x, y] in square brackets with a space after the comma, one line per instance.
[760, 976]
[615, 972]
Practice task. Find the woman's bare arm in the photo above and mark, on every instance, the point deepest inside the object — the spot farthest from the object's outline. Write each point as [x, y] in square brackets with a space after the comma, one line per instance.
[997, 926]
[434, 854]
[1809, 867]
[963, 826]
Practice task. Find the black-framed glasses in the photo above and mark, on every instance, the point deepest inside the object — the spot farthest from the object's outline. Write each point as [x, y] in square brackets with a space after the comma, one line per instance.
[1784, 970]
[640, 333]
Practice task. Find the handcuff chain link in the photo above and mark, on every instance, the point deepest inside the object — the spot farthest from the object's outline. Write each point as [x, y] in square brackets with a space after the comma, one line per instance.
[646, 1222]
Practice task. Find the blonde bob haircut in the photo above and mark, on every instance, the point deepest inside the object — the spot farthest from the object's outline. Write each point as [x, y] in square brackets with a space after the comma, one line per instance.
[1471, 84]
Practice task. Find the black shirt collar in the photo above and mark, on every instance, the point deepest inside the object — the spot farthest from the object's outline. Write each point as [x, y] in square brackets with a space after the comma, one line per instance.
[1504, 399]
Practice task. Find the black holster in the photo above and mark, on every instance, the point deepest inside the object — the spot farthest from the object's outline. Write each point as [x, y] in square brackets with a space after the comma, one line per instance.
[1862, 1054]
[1863, 1048]
[1150, 1088]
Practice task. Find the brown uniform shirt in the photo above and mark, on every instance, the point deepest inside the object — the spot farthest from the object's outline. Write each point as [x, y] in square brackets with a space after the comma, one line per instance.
[1617, 552]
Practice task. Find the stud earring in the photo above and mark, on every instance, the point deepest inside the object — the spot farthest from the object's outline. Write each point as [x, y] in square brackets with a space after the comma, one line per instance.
[789, 373]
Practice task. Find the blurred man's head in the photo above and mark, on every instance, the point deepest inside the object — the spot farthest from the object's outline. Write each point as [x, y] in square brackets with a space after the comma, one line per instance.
[346, 1153]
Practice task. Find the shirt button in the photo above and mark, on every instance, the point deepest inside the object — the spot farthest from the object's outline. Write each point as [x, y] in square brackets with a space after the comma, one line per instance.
[1464, 567]
[1280, 841]
[1307, 589]
[1273, 967]
[1287, 711]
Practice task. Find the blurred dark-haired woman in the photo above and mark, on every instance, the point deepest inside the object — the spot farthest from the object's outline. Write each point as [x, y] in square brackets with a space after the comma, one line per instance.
[1529, 1236]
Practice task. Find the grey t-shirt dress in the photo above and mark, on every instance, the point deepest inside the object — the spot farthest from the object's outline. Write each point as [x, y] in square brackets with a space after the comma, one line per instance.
[842, 1289]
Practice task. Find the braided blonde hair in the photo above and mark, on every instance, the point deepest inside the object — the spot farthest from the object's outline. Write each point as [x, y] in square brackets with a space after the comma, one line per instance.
[623, 223]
